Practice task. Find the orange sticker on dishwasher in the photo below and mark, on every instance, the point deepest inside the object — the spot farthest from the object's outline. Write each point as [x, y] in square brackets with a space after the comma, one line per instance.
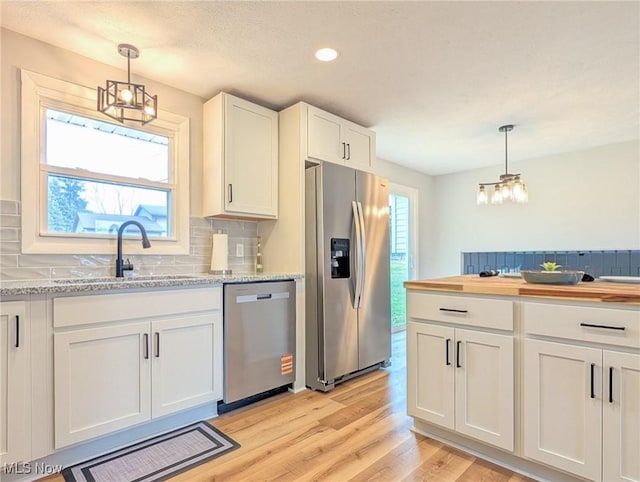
[286, 364]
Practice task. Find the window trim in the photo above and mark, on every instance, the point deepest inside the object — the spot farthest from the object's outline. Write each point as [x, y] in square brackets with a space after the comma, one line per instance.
[40, 92]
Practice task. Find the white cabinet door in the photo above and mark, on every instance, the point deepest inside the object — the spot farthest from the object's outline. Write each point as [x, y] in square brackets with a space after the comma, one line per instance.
[484, 387]
[102, 381]
[360, 146]
[621, 417]
[14, 378]
[430, 373]
[563, 406]
[324, 139]
[251, 158]
[187, 362]
[240, 159]
[333, 139]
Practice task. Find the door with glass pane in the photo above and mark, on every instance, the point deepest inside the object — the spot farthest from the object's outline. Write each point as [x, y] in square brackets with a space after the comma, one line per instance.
[403, 244]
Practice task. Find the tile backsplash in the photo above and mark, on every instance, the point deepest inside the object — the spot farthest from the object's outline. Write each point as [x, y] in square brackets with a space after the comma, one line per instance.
[622, 262]
[17, 266]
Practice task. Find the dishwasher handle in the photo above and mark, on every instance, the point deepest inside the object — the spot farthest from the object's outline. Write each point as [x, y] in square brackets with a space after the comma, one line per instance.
[262, 297]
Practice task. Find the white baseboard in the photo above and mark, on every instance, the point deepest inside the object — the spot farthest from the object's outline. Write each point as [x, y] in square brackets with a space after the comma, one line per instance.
[497, 456]
[295, 389]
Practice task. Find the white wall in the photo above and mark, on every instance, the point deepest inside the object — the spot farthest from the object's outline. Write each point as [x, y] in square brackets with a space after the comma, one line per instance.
[18, 51]
[424, 184]
[580, 200]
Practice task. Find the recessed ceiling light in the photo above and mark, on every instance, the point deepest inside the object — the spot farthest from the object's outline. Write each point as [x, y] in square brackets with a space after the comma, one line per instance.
[326, 55]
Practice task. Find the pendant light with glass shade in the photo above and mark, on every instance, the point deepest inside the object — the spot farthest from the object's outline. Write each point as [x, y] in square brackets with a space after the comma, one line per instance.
[126, 101]
[510, 186]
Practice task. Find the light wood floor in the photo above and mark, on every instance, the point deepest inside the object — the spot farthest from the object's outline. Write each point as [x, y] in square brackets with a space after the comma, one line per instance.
[359, 431]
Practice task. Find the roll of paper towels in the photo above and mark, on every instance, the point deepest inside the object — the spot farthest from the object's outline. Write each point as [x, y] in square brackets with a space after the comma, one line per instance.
[219, 254]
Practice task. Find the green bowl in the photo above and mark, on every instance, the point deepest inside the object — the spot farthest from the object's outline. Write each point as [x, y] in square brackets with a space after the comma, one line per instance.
[553, 277]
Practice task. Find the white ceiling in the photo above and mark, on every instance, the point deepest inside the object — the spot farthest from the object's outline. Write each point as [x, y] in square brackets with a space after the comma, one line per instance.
[433, 79]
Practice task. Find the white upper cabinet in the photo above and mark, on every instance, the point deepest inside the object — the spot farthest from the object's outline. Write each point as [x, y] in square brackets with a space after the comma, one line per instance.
[361, 146]
[240, 164]
[324, 140]
[333, 139]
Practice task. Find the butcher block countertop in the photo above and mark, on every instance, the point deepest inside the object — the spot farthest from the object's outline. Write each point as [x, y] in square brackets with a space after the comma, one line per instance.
[494, 285]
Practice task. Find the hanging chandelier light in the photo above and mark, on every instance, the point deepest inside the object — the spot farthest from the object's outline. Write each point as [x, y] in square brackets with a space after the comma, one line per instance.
[509, 188]
[126, 101]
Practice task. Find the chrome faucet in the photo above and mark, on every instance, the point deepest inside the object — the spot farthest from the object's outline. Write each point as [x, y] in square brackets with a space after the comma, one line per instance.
[121, 266]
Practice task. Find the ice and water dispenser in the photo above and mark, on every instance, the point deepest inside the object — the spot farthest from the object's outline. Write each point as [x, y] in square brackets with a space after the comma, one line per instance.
[340, 258]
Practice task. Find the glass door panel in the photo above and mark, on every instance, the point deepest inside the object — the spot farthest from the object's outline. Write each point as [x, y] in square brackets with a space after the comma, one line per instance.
[402, 240]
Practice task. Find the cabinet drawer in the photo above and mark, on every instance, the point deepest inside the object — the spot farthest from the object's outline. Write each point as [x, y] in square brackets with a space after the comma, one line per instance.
[462, 310]
[82, 310]
[594, 324]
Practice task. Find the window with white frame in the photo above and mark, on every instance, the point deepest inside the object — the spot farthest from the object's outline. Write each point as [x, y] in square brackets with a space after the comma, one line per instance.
[100, 175]
[83, 175]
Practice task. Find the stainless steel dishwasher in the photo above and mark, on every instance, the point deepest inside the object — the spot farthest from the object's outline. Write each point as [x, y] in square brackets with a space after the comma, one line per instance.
[259, 337]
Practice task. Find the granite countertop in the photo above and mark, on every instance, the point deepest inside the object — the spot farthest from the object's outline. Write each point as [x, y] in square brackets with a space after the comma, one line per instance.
[83, 285]
[473, 284]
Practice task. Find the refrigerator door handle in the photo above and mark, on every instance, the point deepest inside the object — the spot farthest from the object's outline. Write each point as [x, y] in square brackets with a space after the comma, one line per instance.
[363, 250]
[358, 255]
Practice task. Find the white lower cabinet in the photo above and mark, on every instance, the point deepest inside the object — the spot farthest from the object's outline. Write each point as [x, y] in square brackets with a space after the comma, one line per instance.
[112, 375]
[484, 387]
[102, 381]
[621, 417]
[574, 376]
[462, 379]
[430, 373]
[14, 380]
[582, 390]
[186, 364]
[563, 406]
[110, 378]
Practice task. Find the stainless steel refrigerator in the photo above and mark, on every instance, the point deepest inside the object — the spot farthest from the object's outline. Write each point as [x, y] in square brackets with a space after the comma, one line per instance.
[348, 318]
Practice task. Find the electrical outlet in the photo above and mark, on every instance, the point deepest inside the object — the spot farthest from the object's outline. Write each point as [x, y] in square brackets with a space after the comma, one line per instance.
[239, 250]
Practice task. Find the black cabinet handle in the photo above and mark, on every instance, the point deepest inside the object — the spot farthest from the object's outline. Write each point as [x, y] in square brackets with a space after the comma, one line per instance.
[606, 327]
[344, 150]
[450, 310]
[446, 355]
[593, 388]
[230, 193]
[458, 343]
[610, 384]
[17, 331]
[348, 151]
[157, 344]
[146, 346]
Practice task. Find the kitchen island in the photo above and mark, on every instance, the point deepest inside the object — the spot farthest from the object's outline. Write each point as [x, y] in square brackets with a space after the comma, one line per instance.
[543, 379]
